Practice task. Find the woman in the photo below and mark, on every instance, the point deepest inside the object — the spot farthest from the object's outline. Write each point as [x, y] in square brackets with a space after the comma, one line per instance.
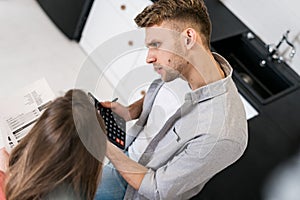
[52, 161]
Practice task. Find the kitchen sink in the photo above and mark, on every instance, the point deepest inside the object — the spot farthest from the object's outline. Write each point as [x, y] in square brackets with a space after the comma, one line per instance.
[254, 72]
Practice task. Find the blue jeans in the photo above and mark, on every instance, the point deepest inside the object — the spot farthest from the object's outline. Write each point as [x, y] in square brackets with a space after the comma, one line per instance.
[112, 185]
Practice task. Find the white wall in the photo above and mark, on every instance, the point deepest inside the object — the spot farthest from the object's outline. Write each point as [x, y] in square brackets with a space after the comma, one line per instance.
[112, 42]
[269, 19]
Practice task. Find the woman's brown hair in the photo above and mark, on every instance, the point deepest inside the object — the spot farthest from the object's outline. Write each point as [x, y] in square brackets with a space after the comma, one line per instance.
[53, 155]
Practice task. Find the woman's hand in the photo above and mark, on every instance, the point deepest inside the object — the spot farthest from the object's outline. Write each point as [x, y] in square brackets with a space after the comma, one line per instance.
[4, 156]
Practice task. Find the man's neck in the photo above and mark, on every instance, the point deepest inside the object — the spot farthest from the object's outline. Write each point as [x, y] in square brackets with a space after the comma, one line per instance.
[206, 71]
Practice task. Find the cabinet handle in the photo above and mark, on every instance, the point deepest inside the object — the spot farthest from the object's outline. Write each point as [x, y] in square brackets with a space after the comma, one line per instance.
[130, 42]
[123, 7]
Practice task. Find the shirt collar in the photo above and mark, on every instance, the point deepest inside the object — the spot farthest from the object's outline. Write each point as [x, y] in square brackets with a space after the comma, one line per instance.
[213, 89]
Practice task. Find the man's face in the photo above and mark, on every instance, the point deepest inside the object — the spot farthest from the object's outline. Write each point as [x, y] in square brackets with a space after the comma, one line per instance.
[165, 52]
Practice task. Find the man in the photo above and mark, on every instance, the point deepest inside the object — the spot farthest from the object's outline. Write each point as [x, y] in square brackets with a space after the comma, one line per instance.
[197, 139]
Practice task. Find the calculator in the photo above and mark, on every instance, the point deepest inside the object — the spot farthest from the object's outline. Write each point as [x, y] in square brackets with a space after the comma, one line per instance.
[114, 124]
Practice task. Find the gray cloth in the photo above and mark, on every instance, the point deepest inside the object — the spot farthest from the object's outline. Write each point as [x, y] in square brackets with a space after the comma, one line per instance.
[62, 192]
[201, 143]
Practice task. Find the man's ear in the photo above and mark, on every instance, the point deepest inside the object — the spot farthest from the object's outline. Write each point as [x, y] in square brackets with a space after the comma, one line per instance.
[190, 36]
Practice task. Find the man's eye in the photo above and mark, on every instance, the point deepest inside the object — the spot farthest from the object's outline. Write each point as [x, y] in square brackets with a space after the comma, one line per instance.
[155, 44]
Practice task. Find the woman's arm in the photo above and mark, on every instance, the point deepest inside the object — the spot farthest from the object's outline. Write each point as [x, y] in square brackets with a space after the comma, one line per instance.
[2, 181]
[3, 160]
[3, 168]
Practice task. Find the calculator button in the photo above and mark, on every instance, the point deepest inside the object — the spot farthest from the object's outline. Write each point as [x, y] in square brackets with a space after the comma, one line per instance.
[115, 127]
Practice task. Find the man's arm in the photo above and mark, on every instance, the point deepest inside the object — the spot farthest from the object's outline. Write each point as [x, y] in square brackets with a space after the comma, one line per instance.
[135, 109]
[190, 168]
[130, 170]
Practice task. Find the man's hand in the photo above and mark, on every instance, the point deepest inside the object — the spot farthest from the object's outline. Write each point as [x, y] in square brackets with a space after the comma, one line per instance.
[3, 160]
[131, 112]
[118, 108]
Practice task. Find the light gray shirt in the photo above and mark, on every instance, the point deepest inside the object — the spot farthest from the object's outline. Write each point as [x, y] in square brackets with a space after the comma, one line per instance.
[204, 141]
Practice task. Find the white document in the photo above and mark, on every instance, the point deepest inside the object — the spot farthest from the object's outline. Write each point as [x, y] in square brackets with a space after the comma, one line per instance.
[19, 112]
[250, 111]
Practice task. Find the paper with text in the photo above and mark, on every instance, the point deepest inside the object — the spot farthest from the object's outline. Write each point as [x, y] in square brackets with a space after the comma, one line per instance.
[20, 111]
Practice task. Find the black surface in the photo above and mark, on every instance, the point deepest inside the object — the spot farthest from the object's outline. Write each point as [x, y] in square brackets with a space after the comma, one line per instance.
[68, 15]
[265, 83]
[274, 135]
[224, 23]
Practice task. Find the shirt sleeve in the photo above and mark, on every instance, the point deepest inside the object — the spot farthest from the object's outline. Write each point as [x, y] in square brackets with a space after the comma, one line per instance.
[187, 172]
[2, 179]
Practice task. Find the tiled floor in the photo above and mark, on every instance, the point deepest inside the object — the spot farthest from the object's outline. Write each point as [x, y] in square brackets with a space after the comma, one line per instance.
[31, 47]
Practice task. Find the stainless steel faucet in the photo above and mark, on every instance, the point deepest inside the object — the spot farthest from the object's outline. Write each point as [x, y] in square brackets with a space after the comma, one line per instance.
[274, 50]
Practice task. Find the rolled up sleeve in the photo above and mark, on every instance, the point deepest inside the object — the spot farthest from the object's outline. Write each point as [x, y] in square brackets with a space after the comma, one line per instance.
[149, 187]
[186, 174]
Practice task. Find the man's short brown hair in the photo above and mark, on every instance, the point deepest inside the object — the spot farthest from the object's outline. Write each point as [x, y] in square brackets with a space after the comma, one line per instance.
[189, 13]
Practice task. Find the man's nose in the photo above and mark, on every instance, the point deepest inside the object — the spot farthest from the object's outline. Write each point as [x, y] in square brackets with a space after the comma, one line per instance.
[150, 57]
